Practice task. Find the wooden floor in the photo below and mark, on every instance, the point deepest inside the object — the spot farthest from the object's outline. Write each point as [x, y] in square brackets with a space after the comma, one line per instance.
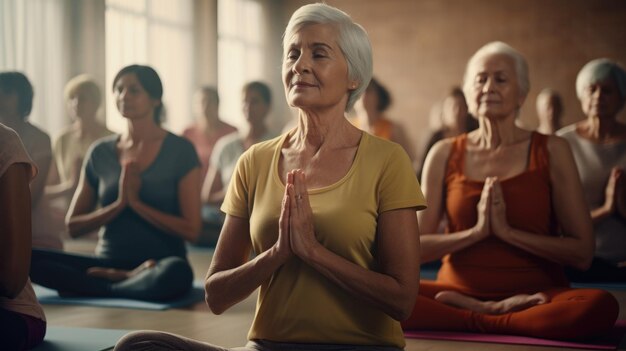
[229, 329]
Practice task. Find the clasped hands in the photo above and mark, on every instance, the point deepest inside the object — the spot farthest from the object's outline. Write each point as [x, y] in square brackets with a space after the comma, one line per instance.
[296, 233]
[615, 192]
[492, 212]
[129, 184]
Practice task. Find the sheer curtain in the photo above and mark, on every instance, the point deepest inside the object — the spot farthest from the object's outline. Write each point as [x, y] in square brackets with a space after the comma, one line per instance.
[31, 41]
[157, 33]
[240, 54]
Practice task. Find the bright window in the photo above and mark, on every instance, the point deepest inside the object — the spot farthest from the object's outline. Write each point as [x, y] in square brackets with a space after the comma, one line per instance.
[31, 38]
[240, 54]
[156, 33]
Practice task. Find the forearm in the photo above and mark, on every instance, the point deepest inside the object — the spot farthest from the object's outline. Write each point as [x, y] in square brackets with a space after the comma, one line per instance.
[599, 214]
[389, 294]
[217, 197]
[176, 225]
[437, 245]
[567, 251]
[61, 189]
[228, 287]
[84, 223]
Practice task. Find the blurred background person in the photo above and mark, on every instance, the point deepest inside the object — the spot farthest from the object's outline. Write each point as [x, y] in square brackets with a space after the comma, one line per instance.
[16, 102]
[370, 117]
[208, 128]
[22, 319]
[141, 189]
[83, 99]
[549, 111]
[454, 120]
[599, 146]
[257, 101]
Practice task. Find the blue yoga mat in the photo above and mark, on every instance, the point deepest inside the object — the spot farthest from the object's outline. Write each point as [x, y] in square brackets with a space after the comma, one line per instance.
[80, 339]
[51, 297]
[603, 286]
[429, 272]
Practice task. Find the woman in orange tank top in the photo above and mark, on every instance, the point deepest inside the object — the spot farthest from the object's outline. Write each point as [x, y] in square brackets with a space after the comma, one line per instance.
[516, 215]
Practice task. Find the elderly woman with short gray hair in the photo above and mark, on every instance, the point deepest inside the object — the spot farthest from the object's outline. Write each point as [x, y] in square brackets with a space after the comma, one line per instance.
[515, 217]
[599, 146]
[328, 210]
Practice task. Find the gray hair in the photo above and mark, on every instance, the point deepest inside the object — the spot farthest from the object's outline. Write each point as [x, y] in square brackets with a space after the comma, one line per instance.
[353, 42]
[500, 48]
[599, 70]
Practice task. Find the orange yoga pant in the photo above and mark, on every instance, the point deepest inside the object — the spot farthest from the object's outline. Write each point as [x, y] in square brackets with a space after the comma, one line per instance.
[570, 314]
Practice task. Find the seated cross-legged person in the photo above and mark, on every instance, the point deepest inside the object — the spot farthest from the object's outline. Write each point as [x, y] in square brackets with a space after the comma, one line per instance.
[599, 147]
[142, 190]
[21, 317]
[516, 216]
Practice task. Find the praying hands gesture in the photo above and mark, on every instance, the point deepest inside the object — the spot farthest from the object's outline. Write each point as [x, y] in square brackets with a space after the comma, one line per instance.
[491, 211]
[301, 231]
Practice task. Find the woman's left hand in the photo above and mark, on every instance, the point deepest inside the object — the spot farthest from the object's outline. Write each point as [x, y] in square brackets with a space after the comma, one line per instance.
[302, 232]
[132, 181]
[499, 225]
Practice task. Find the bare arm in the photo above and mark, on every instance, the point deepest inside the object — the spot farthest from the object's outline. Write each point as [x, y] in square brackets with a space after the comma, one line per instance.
[15, 230]
[394, 288]
[435, 245]
[576, 246]
[188, 224]
[81, 216]
[231, 277]
[42, 160]
[213, 191]
[613, 197]
[56, 188]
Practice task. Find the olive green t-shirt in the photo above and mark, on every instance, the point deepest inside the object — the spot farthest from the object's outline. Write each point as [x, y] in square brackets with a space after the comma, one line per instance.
[298, 304]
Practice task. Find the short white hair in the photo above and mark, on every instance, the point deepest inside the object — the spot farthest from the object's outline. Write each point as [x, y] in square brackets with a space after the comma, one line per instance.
[599, 70]
[500, 48]
[353, 42]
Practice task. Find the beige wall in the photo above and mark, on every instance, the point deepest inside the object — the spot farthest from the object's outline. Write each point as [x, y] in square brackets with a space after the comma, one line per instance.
[421, 46]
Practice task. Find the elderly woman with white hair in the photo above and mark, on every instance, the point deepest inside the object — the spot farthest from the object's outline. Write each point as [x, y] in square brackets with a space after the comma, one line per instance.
[599, 147]
[337, 250]
[515, 216]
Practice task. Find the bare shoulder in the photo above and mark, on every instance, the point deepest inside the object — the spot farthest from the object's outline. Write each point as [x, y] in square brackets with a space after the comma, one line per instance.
[558, 146]
[441, 149]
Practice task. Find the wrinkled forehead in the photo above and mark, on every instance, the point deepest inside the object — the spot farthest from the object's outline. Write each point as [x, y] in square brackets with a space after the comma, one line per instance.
[495, 62]
[312, 33]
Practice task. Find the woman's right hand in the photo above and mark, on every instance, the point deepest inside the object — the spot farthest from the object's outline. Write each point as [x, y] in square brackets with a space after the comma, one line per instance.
[620, 191]
[122, 193]
[482, 228]
[611, 193]
[283, 245]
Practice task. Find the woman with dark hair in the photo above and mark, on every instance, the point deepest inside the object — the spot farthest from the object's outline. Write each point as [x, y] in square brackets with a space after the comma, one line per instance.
[142, 190]
[370, 110]
[16, 102]
[257, 101]
[455, 120]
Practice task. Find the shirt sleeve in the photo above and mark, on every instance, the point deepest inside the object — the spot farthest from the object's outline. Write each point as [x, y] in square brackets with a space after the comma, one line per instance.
[13, 151]
[236, 200]
[187, 157]
[91, 175]
[398, 187]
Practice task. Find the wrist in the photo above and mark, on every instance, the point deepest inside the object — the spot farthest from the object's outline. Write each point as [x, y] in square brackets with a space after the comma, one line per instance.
[310, 252]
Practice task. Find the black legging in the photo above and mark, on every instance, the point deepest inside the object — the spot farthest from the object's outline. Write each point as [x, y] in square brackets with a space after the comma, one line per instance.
[601, 271]
[67, 273]
[20, 331]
